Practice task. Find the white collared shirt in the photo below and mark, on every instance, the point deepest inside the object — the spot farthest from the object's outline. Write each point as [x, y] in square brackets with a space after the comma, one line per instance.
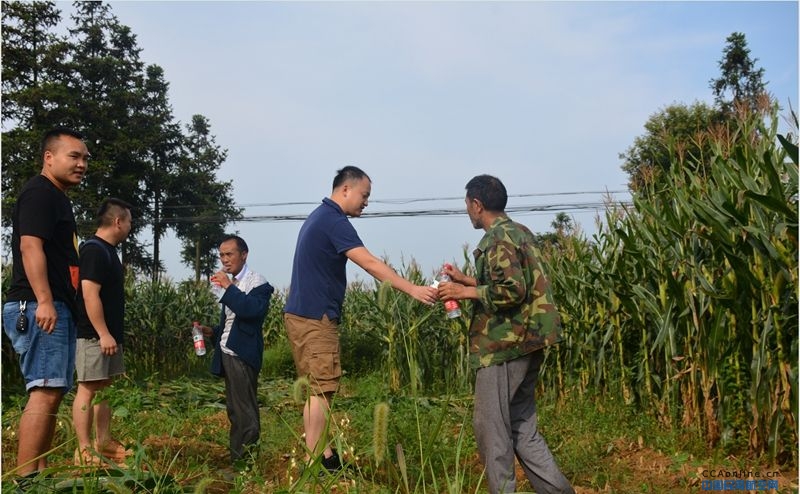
[246, 280]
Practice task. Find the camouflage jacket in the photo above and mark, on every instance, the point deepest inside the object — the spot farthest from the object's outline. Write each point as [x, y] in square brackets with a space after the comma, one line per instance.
[515, 313]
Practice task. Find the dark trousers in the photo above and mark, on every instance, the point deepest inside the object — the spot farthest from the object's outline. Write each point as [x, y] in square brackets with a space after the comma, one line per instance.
[241, 386]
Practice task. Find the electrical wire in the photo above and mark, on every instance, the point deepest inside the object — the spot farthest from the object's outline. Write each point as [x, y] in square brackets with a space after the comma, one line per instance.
[594, 206]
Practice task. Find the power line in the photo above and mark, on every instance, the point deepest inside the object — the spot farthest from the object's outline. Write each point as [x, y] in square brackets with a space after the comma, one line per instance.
[531, 208]
[404, 200]
[432, 199]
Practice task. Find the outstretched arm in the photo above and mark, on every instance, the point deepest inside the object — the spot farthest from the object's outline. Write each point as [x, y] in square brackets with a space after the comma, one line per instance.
[382, 272]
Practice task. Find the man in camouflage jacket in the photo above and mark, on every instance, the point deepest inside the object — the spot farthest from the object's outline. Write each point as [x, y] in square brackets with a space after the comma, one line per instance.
[513, 319]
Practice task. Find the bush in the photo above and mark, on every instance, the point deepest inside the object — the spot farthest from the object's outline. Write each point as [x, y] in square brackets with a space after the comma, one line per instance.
[278, 361]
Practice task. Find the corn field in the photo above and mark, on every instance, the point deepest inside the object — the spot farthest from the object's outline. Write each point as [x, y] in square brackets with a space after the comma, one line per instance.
[684, 304]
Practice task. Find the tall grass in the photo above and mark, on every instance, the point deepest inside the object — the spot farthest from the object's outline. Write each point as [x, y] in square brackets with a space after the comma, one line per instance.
[686, 303]
[158, 318]
[416, 345]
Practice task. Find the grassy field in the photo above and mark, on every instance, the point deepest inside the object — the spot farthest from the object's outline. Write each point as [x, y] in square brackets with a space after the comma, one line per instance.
[677, 372]
[178, 429]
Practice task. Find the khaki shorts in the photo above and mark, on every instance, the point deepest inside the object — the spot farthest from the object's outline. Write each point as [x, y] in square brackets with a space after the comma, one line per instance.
[92, 365]
[315, 349]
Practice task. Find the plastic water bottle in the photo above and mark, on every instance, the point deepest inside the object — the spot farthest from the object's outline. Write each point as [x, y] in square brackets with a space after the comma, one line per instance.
[450, 305]
[217, 290]
[199, 341]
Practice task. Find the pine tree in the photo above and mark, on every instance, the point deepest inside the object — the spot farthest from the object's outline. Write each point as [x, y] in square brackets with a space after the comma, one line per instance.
[94, 81]
[200, 206]
[740, 82]
[34, 72]
[108, 88]
[162, 152]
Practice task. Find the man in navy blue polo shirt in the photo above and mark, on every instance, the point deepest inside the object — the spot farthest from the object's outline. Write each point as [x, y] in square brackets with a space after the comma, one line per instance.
[314, 304]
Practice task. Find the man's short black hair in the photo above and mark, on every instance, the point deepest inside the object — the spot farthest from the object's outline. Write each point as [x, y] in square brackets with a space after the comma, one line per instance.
[348, 173]
[109, 209]
[53, 135]
[490, 191]
[240, 243]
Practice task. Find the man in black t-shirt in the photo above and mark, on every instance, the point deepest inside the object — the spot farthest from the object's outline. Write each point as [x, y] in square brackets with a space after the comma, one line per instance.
[38, 315]
[101, 312]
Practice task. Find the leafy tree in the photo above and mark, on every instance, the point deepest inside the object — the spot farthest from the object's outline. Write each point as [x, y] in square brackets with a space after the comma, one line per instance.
[677, 130]
[107, 90]
[562, 224]
[682, 134]
[740, 82]
[199, 206]
[95, 81]
[162, 152]
[33, 62]
[563, 227]
[34, 71]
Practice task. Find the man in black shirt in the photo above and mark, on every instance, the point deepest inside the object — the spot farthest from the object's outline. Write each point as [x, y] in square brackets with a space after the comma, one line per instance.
[101, 312]
[38, 315]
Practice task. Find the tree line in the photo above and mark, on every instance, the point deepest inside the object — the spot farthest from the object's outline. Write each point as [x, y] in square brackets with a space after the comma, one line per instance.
[94, 80]
[679, 133]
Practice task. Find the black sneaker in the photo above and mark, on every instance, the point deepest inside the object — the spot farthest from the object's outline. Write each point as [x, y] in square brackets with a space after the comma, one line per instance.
[332, 464]
[26, 483]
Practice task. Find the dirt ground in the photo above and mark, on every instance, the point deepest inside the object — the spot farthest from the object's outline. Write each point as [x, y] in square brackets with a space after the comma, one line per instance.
[632, 468]
[639, 469]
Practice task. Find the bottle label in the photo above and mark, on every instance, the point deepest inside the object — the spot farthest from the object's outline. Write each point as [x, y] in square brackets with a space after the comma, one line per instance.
[450, 305]
[199, 341]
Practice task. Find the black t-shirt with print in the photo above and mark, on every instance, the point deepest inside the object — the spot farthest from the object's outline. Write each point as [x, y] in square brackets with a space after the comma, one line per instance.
[44, 211]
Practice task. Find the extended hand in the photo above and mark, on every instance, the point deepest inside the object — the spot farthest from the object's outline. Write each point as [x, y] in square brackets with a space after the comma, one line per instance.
[425, 294]
[448, 290]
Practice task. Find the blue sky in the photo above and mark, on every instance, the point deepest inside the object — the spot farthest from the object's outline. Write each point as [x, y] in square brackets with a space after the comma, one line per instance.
[425, 95]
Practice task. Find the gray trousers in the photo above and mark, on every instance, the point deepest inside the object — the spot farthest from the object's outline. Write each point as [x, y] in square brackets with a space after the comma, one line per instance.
[241, 400]
[505, 424]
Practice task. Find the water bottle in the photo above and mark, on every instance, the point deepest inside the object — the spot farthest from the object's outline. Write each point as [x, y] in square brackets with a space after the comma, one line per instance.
[450, 305]
[217, 290]
[199, 341]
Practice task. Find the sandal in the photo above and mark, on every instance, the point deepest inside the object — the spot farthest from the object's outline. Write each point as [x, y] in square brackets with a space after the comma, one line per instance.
[86, 458]
[115, 451]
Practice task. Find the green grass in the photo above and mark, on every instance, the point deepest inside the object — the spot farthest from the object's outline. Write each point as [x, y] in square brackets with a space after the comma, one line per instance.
[180, 431]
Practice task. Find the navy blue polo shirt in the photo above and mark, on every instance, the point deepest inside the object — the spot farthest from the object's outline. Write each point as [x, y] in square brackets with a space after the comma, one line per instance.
[319, 277]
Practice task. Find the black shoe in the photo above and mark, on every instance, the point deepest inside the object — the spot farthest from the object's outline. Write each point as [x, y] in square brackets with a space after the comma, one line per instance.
[332, 464]
[26, 483]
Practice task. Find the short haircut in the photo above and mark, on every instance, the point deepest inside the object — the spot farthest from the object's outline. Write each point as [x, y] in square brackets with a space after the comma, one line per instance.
[348, 173]
[50, 138]
[110, 209]
[240, 243]
[490, 191]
